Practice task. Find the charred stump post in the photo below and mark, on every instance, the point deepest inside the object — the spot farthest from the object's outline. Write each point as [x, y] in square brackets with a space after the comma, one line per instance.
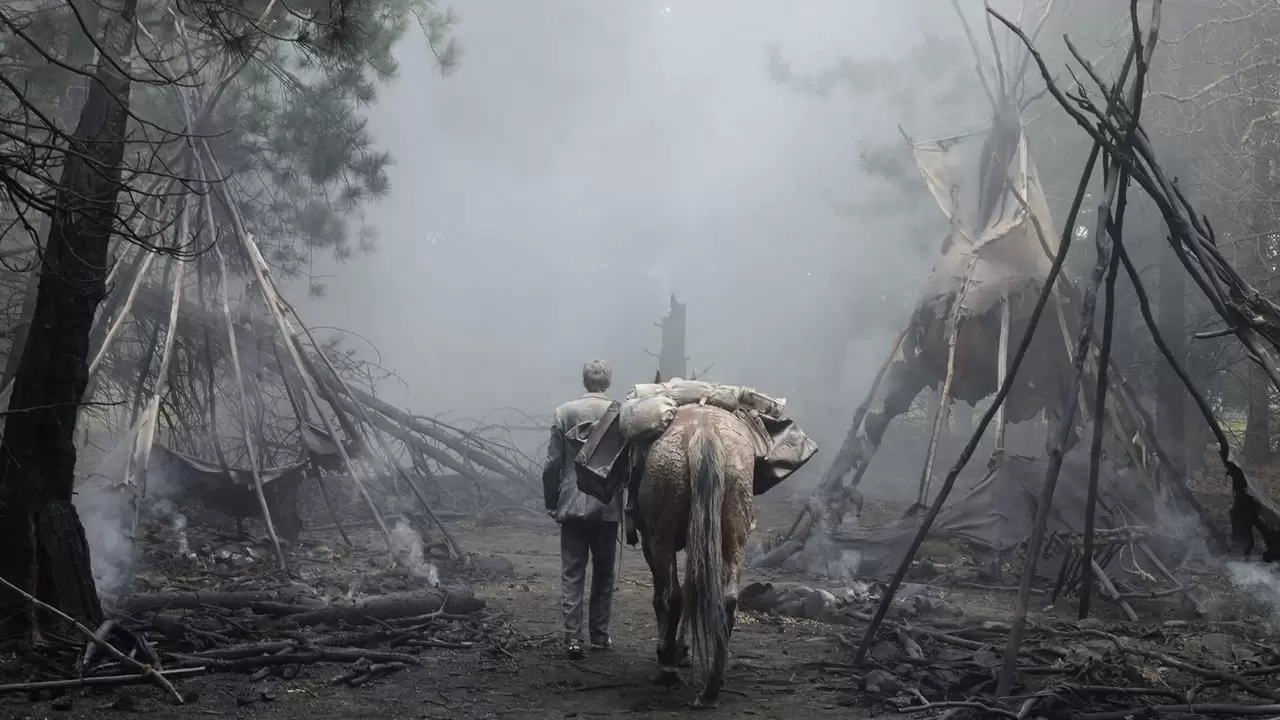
[672, 362]
[46, 553]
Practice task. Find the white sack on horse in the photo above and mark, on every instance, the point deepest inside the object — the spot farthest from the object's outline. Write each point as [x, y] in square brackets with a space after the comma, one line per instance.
[646, 390]
[646, 418]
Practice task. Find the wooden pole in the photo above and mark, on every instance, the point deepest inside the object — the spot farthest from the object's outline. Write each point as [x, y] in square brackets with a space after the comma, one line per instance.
[111, 326]
[1111, 187]
[1045, 502]
[148, 428]
[1002, 372]
[944, 395]
[940, 413]
[1099, 419]
[259, 267]
[244, 402]
[977, 55]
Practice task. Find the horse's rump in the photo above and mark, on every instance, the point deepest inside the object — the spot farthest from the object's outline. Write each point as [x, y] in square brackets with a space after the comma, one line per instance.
[696, 493]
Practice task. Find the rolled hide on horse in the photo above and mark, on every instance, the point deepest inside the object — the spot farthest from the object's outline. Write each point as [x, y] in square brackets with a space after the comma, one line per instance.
[692, 455]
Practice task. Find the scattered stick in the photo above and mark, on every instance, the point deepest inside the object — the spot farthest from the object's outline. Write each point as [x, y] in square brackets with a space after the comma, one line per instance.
[1184, 709]
[183, 600]
[101, 636]
[99, 681]
[396, 605]
[145, 671]
[243, 400]
[1187, 667]
[986, 710]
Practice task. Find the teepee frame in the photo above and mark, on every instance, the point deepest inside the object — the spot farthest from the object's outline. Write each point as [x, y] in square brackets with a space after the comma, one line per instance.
[1005, 245]
[1250, 316]
[315, 387]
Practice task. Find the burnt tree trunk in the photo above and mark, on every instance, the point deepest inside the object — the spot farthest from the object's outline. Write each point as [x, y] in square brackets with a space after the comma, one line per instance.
[1257, 432]
[80, 49]
[672, 362]
[45, 551]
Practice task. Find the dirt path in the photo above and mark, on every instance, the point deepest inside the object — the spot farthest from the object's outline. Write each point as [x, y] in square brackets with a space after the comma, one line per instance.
[773, 672]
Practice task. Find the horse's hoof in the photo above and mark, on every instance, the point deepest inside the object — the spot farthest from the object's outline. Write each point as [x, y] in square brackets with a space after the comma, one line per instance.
[667, 677]
[701, 703]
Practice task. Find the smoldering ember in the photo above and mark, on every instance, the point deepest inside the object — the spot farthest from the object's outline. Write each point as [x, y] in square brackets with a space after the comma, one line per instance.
[301, 303]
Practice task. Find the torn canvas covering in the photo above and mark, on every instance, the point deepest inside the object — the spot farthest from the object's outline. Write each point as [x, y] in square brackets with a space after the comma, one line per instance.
[998, 513]
[323, 451]
[994, 249]
[183, 479]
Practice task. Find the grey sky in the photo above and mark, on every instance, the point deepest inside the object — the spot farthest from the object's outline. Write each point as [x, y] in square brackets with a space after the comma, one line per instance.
[588, 158]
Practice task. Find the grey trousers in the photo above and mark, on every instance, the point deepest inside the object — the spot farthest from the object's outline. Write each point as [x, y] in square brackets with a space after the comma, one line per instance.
[578, 540]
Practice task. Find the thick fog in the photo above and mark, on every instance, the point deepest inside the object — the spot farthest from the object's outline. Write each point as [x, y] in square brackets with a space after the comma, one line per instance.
[589, 158]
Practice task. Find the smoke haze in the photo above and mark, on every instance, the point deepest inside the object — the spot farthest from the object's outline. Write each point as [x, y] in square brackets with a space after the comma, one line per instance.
[588, 159]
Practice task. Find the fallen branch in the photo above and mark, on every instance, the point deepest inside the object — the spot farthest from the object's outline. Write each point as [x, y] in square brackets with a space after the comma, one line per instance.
[100, 681]
[1187, 667]
[145, 671]
[277, 601]
[398, 605]
[368, 673]
[1184, 709]
[986, 710]
[304, 655]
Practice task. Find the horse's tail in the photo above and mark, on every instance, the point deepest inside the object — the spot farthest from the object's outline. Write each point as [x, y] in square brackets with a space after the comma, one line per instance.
[704, 556]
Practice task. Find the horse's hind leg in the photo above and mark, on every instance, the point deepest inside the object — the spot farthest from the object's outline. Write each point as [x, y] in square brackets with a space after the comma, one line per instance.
[734, 554]
[715, 679]
[664, 588]
[673, 652]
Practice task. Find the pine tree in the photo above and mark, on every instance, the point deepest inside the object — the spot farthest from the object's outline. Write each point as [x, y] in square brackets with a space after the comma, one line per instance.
[47, 554]
[276, 92]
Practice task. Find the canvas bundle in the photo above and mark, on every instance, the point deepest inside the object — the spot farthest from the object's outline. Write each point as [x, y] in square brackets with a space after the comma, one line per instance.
[650, 407]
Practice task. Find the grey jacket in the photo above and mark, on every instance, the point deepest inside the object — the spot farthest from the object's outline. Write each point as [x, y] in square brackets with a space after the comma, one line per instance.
[560, 479]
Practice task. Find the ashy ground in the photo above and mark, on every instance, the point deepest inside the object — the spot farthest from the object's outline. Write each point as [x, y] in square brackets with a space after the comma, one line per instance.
[779, 669]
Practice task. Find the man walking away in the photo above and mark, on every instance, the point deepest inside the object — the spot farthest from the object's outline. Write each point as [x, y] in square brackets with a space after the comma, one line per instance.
[587, 526]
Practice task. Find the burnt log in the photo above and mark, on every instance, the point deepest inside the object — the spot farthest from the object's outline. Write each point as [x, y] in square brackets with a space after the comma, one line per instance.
[393, 606]
[269, 602]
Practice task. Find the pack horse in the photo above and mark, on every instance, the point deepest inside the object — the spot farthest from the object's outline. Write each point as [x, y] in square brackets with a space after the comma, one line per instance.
[692, 455]
[695, 495]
